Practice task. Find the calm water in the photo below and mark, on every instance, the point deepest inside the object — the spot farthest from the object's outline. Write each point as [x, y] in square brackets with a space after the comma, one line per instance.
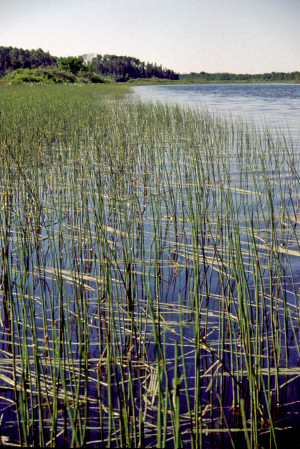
[164, 249]
[275, 104]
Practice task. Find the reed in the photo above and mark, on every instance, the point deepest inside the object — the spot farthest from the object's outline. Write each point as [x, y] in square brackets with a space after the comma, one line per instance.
[149, 273]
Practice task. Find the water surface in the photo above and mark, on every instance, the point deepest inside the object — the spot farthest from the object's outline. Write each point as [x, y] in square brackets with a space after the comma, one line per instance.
[275, 104]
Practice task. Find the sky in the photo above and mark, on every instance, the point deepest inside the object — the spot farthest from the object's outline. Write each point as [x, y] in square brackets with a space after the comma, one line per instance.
[236, 36]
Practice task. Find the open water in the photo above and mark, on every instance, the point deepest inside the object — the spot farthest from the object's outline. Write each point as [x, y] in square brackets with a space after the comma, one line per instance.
[276, 105]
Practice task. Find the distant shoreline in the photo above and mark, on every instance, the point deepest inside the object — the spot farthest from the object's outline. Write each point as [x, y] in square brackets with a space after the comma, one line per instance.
[157, 82]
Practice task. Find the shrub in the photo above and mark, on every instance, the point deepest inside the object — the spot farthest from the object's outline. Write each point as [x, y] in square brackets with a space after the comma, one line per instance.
[39, 75]
[49, 75]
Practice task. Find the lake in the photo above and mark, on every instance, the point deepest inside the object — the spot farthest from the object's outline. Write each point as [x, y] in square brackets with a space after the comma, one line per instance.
[275, 104]
[150, 267]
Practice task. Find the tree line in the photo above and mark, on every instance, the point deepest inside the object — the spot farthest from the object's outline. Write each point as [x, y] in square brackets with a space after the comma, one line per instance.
[123, 68]
[120, 68]
[262, 77]
[12, 58]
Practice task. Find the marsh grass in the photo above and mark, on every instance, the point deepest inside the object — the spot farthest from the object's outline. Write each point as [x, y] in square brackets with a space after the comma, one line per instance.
[149, 274]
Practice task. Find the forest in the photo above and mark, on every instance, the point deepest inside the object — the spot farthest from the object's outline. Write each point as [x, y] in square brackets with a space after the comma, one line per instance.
[119, 68]
[12, 58]
[232, 77]
[122, 68]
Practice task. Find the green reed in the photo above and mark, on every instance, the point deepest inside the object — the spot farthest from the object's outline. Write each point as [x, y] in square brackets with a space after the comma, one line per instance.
[149, 289]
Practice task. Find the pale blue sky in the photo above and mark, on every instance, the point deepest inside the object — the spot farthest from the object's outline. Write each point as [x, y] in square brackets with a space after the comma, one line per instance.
[239, 36]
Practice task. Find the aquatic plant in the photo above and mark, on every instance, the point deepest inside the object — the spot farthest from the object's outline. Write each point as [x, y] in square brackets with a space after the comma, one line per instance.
[149, 274]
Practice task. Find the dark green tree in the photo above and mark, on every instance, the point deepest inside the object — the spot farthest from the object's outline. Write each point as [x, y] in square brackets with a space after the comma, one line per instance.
[72, 64]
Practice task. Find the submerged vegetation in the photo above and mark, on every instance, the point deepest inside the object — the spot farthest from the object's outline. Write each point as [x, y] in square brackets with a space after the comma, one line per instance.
[149, 274]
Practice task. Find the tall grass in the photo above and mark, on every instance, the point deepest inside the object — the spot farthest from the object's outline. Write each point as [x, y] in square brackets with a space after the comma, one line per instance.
[149, 274]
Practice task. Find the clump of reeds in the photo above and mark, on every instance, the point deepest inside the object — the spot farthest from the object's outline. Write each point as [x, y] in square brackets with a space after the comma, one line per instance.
[149, 283]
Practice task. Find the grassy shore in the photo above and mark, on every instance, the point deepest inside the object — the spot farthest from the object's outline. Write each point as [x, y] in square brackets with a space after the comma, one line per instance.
[149, 274]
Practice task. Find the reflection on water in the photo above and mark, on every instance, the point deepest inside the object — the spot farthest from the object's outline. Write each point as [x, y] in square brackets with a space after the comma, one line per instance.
[278, 104]
[154, 276]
